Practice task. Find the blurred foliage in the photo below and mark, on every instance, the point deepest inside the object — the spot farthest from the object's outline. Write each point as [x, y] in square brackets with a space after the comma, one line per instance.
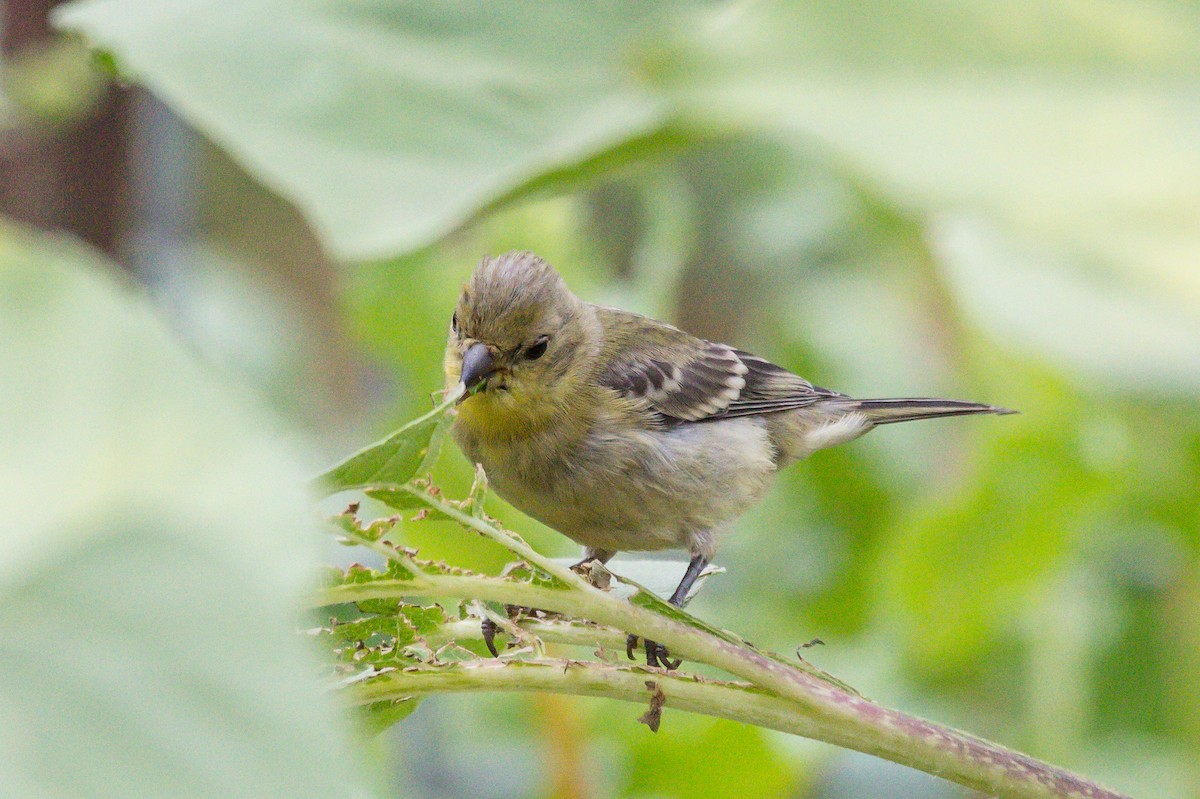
[993, 201]
[155, 548]
[52, 84]
[708, 760]
[536, 86]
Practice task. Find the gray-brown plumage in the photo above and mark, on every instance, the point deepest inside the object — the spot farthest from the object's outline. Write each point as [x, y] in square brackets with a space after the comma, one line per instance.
[628, 434]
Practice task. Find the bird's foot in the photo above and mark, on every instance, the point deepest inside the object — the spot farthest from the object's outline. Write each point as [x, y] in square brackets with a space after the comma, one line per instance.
[656, 653]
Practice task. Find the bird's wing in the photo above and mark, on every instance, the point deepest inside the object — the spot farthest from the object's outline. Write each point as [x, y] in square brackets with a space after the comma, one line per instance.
[681, 378]
[771, 388]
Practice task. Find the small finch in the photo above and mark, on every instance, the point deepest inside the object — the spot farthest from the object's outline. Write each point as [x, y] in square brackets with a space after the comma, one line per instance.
[628, 434]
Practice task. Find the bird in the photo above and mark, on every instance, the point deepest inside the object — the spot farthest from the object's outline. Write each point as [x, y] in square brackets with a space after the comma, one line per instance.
[628, 434]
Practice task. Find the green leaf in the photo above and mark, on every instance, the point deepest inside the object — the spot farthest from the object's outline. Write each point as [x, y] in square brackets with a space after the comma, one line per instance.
[992, 107]
[391, 634]
[400, 499]
[393, 460]
[959, 570]
[156, 547]
[660, 576]
[393, 572]
[1109, 329]
[478, 493]
[373, 531]
[378, 716]
[972, 106]
[389, 124]
[425, 619]
[402, 623]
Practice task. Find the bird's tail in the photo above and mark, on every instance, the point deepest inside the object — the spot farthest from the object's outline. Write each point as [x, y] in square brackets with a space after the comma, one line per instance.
[886, 411]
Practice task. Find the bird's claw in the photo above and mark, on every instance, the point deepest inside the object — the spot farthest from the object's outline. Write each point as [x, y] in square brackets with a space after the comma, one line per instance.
[489, 629]
[659, 652]
[656, 653]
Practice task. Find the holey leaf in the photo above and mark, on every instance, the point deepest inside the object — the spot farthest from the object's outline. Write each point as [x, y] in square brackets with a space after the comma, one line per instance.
[155, 551]
[393, 460]
[659, 575]
[389, 124]
[380, 640]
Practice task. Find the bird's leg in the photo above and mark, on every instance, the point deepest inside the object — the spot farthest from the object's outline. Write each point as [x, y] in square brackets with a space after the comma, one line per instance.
[694, 568]
[489, 628]
[656, 654]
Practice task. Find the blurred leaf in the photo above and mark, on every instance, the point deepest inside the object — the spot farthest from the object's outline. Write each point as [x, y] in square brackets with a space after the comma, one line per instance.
[156, 547]
[378, 716]
[1114, 332]
[53, 81]
[1069, 124]
[394, 459]
[964, 568]
[701, 758]
[390, 124]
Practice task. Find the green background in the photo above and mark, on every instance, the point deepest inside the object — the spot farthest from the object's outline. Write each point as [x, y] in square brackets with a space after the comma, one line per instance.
[984, 201]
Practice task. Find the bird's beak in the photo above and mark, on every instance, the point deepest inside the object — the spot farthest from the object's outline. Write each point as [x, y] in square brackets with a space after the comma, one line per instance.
[476, 366]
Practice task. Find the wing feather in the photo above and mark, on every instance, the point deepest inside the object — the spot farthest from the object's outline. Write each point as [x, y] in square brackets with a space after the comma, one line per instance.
[680, 378]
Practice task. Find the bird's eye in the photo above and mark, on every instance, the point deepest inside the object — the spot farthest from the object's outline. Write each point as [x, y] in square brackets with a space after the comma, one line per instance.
[537, 349]
[454, 323]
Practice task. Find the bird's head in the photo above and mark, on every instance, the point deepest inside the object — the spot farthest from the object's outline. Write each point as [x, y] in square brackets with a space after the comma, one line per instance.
[519, 337]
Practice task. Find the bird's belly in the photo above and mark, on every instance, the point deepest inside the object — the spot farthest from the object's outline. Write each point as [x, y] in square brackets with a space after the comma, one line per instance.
[638, 490]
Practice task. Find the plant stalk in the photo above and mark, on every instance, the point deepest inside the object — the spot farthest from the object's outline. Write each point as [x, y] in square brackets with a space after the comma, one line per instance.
[823, 710]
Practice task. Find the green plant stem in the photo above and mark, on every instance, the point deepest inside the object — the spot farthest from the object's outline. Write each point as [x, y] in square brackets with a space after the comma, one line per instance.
[832, 714]
[509, 542]
[736, 701]
[553, 631]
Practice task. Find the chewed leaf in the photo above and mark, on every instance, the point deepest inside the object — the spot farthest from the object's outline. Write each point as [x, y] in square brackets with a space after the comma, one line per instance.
[393, 630]
[397, 574]
[424, 619]
[478, 491]
[400, 499]
[393, 460]
[374, 531]
[523, 572]
[394, 498]
[385, 639]
[393, 634]
[658, 576]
